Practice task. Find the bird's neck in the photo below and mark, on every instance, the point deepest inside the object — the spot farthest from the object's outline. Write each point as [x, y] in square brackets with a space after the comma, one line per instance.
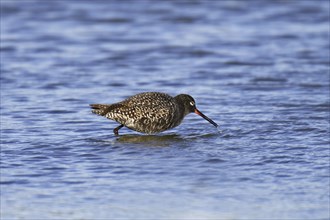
[182, 110]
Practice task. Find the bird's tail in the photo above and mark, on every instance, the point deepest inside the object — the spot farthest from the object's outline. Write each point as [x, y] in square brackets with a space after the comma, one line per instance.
[100, 109]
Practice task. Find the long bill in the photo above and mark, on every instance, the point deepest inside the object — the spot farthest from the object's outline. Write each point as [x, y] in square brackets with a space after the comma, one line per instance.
[205, 117]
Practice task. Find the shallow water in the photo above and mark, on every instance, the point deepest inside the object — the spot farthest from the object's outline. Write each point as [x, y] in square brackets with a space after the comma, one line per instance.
[260, 69]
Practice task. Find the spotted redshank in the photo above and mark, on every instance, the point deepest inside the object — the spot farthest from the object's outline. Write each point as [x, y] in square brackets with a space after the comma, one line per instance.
[149, 112]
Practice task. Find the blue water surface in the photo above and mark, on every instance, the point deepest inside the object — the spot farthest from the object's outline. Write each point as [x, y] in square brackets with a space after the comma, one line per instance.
[260, 69]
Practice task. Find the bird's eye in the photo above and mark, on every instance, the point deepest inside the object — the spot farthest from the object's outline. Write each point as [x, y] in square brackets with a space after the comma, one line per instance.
[192, 103]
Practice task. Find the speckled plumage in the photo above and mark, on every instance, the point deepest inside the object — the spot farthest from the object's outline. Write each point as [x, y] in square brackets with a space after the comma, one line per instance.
[149, 112]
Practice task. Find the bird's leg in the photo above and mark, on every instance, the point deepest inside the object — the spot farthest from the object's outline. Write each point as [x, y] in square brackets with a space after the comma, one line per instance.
[115, 131]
